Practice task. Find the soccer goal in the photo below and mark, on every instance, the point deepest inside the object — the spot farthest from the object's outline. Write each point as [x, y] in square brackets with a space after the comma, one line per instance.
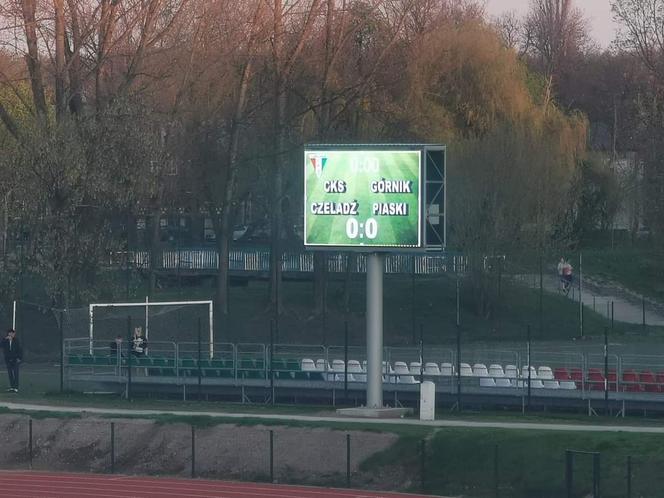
[166, 320]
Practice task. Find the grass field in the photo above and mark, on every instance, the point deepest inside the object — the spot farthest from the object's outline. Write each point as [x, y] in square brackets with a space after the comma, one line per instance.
[531, 463]
[639, 270]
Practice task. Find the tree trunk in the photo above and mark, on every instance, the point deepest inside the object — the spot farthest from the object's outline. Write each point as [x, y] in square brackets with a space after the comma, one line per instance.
[105, 32]
[32, 58]
[75, 77]
[60, 72]
[279, 139]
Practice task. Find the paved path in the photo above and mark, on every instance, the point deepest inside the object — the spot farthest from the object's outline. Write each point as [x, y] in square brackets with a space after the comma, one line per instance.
[598, 296]
[312, 418]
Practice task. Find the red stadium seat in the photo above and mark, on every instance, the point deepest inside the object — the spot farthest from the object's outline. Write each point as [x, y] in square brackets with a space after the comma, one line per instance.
[631, 381]
[561, 374]
[660, 381]
[595, 379]
[613, 380]
[649, 382]
[576, 374]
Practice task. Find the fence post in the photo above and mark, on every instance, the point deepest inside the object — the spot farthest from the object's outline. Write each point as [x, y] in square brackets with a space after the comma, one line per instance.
[348, 460]
[458, 344]
[198, 361]
[596, 476]
[569, 473]
[629, 477]
[193, 452]
[581, 293]
[272, 326]
[30, 443]
[643, 310]
[112, 447]
[423, 453]
[529, 364]
[606, 371]
[62, 354]
[271, 456]
[421, 353]
[346, 362]
[129, 342]
[495, 472]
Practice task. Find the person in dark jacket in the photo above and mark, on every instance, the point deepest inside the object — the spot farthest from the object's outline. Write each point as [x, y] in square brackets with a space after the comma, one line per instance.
[13, 356]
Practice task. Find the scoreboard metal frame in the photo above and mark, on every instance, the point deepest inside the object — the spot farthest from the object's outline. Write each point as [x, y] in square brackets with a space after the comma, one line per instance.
[432, 193]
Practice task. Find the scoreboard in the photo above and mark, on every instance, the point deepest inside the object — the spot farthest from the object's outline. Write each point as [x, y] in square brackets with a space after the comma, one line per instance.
[363, 198]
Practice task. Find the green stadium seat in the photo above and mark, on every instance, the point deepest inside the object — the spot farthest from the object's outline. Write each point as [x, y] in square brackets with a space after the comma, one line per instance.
[188, 367]
[142, 361]
[86, 359]
[208, 369]
[102, 360]
[74, 359]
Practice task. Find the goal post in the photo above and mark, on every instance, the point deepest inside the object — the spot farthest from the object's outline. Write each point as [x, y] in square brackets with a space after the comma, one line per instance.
[147, 304]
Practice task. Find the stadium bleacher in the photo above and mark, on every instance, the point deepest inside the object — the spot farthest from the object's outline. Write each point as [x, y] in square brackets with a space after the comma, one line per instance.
[253, 363]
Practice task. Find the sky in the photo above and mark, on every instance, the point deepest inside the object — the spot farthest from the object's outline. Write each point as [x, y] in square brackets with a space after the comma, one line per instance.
[598, 12]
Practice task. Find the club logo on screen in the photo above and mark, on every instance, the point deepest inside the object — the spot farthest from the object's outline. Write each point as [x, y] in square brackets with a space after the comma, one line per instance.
[318, 163]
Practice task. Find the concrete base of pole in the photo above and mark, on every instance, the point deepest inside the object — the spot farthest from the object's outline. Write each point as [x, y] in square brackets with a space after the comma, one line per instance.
[364, 412]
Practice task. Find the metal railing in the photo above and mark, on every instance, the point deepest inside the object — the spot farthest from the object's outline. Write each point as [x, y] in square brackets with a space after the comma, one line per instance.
[584, 374]
[258, 260]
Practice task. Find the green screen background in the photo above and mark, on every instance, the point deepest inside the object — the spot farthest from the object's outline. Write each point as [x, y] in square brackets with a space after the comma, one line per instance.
[330, 230]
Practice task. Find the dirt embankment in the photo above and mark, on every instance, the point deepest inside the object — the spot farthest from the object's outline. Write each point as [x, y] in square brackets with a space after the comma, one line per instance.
[227, 451]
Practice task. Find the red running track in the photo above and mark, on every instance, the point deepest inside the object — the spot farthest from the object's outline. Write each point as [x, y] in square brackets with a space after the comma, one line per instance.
[56, 485]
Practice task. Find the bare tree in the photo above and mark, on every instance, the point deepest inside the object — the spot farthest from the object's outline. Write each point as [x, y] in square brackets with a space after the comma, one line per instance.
[557, 32]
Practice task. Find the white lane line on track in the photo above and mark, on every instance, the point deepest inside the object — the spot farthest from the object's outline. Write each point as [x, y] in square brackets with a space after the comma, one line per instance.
[194, 485]
[131, 489]
[117, 492]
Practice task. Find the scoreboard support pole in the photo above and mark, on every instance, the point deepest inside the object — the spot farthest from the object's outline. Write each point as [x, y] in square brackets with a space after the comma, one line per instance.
[375, 271]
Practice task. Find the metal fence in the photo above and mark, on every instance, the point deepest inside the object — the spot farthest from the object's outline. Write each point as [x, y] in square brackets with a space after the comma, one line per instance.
[258, 261]
[447, 462]
[606, 382]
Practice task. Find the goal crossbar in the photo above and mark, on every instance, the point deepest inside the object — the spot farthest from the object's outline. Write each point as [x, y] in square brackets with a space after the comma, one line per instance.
[146, 304]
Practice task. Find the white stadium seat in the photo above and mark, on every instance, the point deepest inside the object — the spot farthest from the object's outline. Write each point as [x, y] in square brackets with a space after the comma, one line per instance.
[446, 369]
[466, 371]
[308, 365]
[496, 371]
[388, 373]
[480, 370]
[545, 373]
[511, 372]
[524, 372]
[355, 369]
[431, 369]
[551, 384]
[415, 367]
[487, 382]
[403, 373]
[321, 365]
[567, 384]
[338, 367]
[503, 382]
[534, 383]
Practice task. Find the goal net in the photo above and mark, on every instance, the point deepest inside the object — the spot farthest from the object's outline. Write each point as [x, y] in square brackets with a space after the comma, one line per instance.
[160, 322]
